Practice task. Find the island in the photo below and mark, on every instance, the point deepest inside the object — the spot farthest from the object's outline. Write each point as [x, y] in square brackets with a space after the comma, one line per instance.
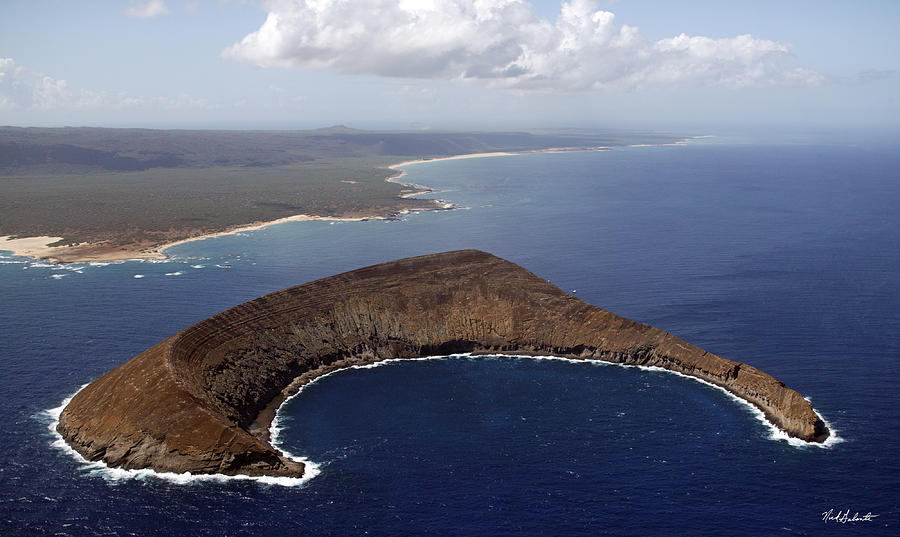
[202, 400]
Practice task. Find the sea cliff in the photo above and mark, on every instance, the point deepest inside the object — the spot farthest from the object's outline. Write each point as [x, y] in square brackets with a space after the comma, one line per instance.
[201, 400]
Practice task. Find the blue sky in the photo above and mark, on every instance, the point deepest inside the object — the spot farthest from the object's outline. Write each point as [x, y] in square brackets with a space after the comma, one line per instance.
[449, 63]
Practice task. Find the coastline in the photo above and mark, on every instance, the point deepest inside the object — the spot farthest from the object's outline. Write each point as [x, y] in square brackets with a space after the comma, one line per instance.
[35, 247]
[454, 157]
[267, 426]
[500, 154]
[166, 392]
[38, 247]
[52, 415]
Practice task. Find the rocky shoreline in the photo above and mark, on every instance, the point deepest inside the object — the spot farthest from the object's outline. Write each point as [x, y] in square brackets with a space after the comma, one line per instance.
[202, 401]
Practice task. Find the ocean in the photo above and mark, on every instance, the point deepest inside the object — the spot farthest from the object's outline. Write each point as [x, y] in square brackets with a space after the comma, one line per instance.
[781, 255]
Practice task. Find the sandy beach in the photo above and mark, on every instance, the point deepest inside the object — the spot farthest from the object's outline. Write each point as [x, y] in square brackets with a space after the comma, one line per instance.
[28, 246]
[402, 173]
[37, 247]
[455, 157]
[494, 154]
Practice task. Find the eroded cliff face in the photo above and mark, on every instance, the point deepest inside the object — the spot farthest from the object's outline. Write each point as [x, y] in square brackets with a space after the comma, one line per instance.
[190, 402]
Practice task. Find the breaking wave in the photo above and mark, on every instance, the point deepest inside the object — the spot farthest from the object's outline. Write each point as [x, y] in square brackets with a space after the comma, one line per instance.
[101, 469]
[312, 469]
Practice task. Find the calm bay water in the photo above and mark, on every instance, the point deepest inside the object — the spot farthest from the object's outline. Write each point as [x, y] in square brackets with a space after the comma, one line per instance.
[784, 257]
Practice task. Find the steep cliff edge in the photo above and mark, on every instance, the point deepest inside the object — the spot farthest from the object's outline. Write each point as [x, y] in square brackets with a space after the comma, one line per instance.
[189, 403]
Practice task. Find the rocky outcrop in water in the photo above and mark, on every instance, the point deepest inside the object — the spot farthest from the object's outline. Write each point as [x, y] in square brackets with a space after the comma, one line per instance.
[201, 400]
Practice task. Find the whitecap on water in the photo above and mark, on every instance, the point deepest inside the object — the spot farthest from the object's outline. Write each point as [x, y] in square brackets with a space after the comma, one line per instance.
[138, 276]
[179, 273]
[75, 268]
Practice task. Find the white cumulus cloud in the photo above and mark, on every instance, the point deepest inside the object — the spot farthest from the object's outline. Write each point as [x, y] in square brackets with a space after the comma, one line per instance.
[27, 88]
[147, 10]
[22, 88]
[503, 43]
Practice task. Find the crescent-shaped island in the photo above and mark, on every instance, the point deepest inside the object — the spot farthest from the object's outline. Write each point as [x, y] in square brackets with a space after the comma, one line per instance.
[202, 400]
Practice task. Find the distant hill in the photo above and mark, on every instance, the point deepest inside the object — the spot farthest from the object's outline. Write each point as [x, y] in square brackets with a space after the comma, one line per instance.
[25, 150]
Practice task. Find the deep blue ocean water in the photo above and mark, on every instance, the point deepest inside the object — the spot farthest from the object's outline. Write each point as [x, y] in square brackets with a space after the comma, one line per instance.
[782, 256]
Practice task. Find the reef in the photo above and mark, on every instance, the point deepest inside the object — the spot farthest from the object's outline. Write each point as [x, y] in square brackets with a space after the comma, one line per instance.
[201, 401]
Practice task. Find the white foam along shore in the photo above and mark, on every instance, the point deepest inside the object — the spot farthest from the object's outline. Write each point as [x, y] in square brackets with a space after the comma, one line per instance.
[312, 469]
[774, 432]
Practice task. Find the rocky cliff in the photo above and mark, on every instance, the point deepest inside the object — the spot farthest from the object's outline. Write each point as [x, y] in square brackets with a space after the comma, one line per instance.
[192, 403]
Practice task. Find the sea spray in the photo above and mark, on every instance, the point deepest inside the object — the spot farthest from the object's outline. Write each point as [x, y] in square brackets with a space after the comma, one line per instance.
[113, 475]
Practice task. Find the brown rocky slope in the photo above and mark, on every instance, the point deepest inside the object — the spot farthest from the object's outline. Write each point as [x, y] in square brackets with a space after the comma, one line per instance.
[194, 402]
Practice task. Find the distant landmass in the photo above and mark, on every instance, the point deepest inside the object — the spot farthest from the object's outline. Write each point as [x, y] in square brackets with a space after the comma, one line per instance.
[202, 400]
[102, 194]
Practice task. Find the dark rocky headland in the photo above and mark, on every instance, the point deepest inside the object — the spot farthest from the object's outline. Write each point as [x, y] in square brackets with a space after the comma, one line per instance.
[201, 401]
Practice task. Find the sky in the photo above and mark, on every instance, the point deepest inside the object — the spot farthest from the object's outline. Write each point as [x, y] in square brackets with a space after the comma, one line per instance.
[449, 63]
